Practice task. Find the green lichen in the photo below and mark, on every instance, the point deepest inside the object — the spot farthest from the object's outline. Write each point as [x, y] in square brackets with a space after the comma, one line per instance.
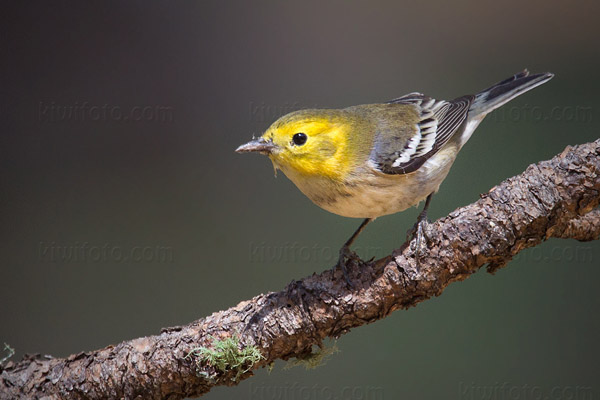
[313, 359]
[227, 355]
[10, 352]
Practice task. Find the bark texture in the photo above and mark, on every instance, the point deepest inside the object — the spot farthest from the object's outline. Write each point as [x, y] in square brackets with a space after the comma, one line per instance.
[556, 198]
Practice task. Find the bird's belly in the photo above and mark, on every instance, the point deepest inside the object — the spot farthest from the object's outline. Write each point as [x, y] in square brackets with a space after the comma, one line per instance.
[374, 200]
[373, 194]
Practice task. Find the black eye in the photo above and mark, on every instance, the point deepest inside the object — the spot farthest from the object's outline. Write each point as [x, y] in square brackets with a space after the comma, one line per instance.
[299, 139]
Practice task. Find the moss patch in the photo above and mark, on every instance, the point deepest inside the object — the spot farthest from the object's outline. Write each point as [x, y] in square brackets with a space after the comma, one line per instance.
[9, 353]
[226, 355]
[313, 359]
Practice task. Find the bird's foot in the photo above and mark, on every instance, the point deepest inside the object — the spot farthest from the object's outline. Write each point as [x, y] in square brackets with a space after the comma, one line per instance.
[346, 255]
[418, 235]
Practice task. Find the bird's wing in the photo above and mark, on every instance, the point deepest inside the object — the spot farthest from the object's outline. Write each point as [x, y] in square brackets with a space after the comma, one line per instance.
[438, 120]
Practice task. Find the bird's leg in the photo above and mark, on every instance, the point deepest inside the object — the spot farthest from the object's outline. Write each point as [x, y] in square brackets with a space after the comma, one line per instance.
[418, 230]
[346, 253]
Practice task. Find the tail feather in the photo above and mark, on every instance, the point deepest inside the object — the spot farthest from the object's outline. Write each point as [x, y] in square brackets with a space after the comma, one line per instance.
[503, 92]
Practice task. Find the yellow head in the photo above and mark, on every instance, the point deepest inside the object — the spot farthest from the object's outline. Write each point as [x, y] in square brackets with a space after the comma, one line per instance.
[309, 143]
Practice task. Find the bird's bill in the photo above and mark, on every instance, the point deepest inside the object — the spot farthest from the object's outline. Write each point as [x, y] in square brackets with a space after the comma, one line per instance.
[259, 145]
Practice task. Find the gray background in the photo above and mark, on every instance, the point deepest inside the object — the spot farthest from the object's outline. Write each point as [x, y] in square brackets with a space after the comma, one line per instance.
[224, 71]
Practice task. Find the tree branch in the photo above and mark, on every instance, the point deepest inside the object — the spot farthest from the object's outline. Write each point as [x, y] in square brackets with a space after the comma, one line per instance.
[555, 198]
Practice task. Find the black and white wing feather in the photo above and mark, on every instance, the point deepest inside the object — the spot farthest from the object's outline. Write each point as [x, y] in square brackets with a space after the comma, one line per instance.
[438, 121]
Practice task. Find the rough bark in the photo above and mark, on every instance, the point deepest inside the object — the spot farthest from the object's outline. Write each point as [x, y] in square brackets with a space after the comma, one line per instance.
[555, 198]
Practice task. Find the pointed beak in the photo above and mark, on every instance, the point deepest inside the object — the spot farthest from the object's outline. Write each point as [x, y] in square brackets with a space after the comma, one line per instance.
[259, 145]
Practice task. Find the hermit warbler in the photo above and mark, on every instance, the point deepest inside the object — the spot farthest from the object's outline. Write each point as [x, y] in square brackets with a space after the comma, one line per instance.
[371, 160]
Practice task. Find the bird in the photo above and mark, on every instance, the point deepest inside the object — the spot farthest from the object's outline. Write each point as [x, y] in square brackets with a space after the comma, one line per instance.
[371, 160]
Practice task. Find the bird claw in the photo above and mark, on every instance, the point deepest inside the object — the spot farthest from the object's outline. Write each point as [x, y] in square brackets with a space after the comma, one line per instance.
[345, 255]
[417, 233]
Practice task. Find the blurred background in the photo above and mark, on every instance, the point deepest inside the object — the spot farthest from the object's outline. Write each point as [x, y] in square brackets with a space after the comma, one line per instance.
[124, 208]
